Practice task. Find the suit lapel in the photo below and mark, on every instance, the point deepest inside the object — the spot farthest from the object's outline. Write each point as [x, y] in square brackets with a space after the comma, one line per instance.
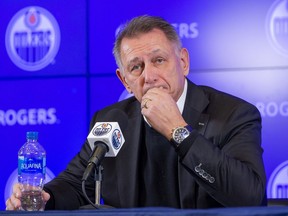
[195, 103]
[129, 167]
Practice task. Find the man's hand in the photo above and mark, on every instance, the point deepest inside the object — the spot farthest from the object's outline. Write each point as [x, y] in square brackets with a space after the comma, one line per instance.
[161, 111]
[14, 202]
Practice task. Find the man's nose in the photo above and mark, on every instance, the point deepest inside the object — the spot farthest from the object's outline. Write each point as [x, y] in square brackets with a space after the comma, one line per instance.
[150, 74]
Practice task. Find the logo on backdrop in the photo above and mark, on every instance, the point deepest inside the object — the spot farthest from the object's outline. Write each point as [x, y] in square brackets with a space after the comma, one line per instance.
[278, 182]
[184, 30]
[30, 116]
[277, 26]
[187, 30]
[32, 38]
[273, 109]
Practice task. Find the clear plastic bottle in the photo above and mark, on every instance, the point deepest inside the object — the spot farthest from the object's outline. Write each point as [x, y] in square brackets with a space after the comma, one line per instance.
[31, 173]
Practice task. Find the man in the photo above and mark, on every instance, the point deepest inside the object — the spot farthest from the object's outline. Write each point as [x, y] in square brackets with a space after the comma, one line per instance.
[186, 146]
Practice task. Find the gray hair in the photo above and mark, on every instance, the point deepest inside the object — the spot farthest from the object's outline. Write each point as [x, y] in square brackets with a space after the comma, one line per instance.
[140, 25]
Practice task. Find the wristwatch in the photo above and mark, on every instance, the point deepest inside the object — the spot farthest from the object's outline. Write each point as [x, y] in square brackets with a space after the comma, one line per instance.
[180, 133]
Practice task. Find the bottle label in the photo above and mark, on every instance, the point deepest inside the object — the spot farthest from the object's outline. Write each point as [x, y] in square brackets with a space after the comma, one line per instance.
[31, 165]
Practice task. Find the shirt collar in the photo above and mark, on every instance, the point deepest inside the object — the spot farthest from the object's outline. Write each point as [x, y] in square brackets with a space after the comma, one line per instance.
[181, 100]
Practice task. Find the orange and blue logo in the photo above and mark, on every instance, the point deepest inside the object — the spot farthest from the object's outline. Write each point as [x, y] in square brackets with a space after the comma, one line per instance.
[102, 129]
[116, 139]
[32, 38]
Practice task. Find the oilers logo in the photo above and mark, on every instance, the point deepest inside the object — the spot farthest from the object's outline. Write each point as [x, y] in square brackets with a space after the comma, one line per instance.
[102, 129]
[277, 26]
[32, 38]
[278, 182]
[116, 139]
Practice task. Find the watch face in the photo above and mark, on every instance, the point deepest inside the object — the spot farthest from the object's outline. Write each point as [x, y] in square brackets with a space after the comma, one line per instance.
[180, 134]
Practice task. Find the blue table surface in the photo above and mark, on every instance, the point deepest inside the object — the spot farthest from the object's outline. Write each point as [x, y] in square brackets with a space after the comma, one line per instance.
[241, 211]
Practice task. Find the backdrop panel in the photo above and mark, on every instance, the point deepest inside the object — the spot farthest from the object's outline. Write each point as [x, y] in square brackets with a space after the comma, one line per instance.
[60, 25]
[105, 91]
[57, 69]
[56, 108]
[219, 34]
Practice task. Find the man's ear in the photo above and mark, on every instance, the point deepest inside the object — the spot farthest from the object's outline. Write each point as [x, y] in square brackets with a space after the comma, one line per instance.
[185, 62]
[123, 80]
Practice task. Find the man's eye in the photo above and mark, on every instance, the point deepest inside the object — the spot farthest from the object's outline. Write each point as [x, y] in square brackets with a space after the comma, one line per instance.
[136, 67]
[159, 60]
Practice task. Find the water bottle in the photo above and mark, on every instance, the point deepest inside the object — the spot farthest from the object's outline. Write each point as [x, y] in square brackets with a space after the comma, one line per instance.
[31, 173]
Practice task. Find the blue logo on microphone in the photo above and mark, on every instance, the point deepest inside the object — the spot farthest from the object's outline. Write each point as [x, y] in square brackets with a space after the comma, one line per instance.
[116, 139]
[32, 38]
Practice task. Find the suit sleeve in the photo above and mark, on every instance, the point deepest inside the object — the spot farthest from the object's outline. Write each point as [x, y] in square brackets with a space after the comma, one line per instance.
[228, 164]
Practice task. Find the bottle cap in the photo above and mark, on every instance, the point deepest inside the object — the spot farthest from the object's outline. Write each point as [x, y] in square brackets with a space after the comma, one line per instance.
[32, 135]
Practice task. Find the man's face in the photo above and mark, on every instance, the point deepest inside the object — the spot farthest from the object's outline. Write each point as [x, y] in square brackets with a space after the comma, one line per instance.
[150, 60]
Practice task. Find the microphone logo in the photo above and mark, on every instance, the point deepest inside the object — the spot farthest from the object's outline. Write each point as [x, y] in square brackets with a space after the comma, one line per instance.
[102, 129]
[110, 134]
[116, 139]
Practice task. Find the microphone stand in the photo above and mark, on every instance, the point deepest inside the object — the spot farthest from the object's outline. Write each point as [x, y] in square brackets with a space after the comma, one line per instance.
[98, 180]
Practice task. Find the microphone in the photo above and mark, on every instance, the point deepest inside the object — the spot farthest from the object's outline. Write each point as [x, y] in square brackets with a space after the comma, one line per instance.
[105, 139]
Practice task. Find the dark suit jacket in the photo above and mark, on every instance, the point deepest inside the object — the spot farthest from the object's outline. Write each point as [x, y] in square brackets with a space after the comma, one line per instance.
[220, 163]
